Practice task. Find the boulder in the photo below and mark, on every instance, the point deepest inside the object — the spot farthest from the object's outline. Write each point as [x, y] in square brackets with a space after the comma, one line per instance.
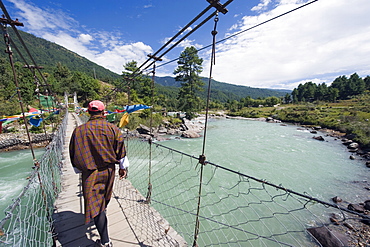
[328, 237]
[353, 145]
[162, 130]
[367, 204]
[190, 134]
[319, 138]
[356, 207]
[346, 141]
[337, 199]
[142, 129]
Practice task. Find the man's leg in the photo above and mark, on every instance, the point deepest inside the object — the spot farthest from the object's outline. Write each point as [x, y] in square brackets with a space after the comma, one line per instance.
[101, 224]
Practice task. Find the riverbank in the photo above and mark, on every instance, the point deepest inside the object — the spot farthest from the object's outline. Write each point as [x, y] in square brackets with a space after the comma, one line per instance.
[20, 141]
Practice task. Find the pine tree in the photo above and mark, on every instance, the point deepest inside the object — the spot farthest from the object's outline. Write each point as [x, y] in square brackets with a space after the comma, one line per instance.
[188, 70]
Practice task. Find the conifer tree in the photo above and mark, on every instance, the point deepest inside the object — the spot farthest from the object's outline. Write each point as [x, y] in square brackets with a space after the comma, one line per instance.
[188, 70]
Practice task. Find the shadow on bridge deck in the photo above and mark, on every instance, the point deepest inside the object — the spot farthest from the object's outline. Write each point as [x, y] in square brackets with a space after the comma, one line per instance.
[130, 222]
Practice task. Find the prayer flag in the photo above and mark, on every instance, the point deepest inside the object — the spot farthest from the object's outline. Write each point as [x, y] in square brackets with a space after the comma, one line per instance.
[35, 121]
[132, 108]
[124, 120]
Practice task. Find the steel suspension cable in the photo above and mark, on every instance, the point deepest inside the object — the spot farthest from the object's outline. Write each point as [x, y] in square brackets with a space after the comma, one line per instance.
[245, 30]
[202, 157]
[137, 71]
[10, 55]
[192, 31]
[176, 35]
[19, 37]
[12, 24]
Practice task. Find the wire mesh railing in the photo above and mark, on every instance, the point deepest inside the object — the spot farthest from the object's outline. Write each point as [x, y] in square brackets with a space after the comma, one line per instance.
[235, 209]
[28, 219]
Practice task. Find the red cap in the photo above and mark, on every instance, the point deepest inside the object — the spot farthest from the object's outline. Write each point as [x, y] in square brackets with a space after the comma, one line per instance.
[96, 105]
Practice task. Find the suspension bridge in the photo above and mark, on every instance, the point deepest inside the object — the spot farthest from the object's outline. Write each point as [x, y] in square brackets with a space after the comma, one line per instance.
[170, 198]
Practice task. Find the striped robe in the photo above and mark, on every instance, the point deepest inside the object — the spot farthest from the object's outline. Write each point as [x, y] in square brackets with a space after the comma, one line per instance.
[95, 148]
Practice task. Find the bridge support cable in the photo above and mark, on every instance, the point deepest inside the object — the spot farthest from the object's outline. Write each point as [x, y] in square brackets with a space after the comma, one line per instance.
[150, 186]
[213, 3]
[149, 194]
[37, 165]
[245, 30]
[202, 157]
[8, 50]
[195, 28]
[13, 25]
[35, 161]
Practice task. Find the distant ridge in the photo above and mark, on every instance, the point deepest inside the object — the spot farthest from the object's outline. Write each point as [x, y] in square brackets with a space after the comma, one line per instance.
[48, 54]
[222, 91]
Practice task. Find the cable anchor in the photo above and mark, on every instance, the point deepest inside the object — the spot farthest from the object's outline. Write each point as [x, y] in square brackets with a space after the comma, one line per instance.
[218, 6]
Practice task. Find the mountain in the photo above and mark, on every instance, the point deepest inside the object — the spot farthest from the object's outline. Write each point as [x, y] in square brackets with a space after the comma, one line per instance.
[47, 54]
[222, 91]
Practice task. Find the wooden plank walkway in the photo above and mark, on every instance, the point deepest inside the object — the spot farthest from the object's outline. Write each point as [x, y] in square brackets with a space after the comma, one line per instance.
[130, 222]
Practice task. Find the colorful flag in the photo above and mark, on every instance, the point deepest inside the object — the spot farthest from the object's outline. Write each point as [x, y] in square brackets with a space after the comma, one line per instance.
[132, 108]
[35, 121]
[124, 120]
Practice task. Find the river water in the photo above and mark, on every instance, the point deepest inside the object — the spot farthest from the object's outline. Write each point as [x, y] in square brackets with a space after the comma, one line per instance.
[284, 155]
[15, 167]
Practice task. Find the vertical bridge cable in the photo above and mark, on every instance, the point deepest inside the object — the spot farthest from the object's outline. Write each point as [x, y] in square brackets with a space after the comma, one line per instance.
[137, 71]
[149, 194]
[8, 50]
[13, 24]
[202, 157]
[213, 3]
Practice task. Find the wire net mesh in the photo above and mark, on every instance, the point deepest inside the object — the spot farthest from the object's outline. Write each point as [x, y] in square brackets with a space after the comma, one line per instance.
[28, 219]
[235, 209]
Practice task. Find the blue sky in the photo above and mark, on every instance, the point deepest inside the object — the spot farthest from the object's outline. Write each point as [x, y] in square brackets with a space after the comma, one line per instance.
[318, 43]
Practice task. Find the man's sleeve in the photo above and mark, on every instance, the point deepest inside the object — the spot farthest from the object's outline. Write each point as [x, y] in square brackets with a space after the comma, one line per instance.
[72, 148]
[120, 142]
[124, 163]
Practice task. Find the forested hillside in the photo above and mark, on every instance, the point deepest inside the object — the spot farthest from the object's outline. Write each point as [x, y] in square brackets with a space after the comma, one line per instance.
[222, 92]
[49, 55]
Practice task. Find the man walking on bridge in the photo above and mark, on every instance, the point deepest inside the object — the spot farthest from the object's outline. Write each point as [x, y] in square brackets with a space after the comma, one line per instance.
[95, 148]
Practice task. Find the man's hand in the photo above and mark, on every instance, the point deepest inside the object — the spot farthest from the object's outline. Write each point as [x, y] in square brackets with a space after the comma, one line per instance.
[122, 173]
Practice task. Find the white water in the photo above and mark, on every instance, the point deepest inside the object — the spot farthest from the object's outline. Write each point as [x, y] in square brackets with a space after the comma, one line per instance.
[283, 155]
[15, 167]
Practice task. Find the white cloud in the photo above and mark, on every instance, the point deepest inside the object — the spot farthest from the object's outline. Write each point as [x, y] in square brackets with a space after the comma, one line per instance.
[85, 38]
[328, 37]
[104, 48]
[37, 19]
[261, 6]
[119, 55]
